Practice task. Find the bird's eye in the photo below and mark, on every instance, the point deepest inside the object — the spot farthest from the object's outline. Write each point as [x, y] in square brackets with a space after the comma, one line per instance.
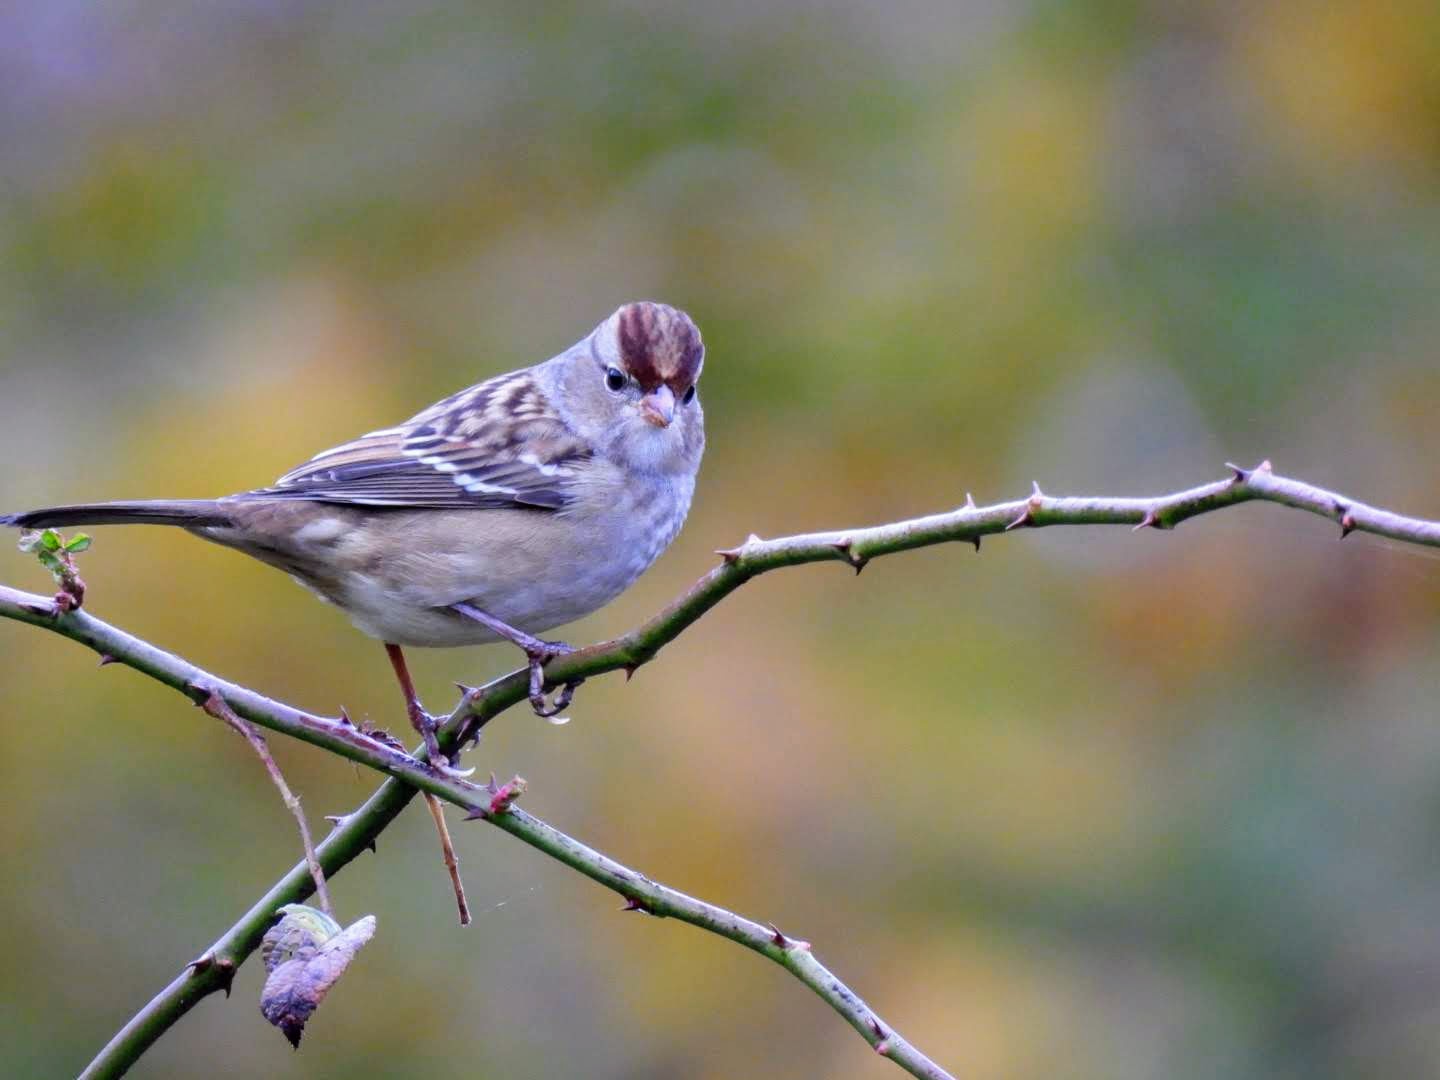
[689, 395]
[615, 380]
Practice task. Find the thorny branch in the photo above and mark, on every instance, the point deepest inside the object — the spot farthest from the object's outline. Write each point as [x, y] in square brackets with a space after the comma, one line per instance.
[409, 773]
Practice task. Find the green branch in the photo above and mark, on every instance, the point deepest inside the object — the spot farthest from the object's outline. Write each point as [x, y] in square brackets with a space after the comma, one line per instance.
[215, 969]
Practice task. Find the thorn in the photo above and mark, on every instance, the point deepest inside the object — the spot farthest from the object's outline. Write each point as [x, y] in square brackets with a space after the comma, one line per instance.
[345, 720]
[790, 944]
[630, 670]
[201, 964]
[465, 691]
[336, 819]
[1151, 520]
[1241, 475]
[106, 660]
[632, 904]
[969, 501]
[1264, 466]
[374, 847]
[730, 556]
[976, 541]
[1347, 524]
[1026, 518]
[846, 548]
[1035, 492]
[226, 968]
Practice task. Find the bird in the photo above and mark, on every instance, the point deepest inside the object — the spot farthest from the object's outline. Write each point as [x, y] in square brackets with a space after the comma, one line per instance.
[520, 504]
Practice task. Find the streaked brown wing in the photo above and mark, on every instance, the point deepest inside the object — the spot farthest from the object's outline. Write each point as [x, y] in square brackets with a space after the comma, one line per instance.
[498, 444]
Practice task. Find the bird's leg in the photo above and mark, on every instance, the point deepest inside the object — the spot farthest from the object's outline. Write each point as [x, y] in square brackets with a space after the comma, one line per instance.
[420, 720]
[424, 723]
[537, 652]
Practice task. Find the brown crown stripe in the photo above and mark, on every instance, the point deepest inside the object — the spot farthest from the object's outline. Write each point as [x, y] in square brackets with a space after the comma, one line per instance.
[660, 345]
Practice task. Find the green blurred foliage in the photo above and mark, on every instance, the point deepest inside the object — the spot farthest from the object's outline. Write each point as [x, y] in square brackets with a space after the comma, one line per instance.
[1090, 804]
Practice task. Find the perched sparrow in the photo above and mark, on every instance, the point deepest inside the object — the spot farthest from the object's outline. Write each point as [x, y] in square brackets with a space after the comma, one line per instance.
[512, 507]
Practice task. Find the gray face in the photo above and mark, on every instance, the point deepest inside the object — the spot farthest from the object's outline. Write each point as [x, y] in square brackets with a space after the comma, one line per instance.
[630, 388]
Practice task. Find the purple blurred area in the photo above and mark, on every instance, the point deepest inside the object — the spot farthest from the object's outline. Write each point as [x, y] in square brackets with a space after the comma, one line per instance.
[1088, 804]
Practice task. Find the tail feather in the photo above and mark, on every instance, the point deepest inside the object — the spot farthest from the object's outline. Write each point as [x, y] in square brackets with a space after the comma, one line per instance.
[191, 513]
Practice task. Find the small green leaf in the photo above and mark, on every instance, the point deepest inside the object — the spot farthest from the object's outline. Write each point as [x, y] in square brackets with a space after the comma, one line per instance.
[50, 561]
[81, 542]
[50, 540]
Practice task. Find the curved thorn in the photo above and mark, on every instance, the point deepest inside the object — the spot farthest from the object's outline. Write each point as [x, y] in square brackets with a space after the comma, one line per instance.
[1151, 520]
[1026, 517]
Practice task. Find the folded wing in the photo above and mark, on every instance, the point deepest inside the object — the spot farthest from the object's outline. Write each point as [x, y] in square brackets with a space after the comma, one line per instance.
[496, 445]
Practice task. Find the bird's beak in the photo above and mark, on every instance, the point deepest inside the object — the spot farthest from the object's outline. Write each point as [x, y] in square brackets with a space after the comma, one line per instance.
[658, 406]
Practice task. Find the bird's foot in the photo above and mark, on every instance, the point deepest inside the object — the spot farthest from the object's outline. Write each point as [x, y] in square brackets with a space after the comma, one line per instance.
[427, 725]
[540, 653]
[537, 652]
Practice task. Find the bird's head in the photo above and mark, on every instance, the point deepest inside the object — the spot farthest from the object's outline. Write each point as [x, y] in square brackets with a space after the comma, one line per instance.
[637, 376]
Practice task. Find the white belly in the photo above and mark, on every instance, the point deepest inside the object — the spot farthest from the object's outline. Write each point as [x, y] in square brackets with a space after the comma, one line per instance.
[532, 570]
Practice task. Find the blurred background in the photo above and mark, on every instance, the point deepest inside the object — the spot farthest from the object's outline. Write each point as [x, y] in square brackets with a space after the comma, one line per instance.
[1090, 804]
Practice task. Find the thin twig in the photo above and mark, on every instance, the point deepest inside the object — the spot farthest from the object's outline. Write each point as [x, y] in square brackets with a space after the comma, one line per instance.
[215, 705]
[855, 547]
[447, 849]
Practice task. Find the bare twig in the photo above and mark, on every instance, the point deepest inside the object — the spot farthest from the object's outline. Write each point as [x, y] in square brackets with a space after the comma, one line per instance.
[447, 850]
[855, 547]
[215, 705]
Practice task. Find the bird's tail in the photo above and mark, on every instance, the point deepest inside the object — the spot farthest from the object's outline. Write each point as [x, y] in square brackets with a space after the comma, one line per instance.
[192, 513]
